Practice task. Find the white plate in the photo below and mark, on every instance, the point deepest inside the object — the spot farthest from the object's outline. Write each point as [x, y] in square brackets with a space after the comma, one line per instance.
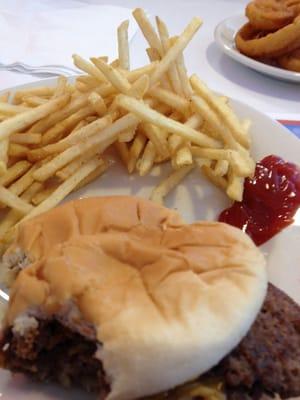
[224, 36]
[195, 199]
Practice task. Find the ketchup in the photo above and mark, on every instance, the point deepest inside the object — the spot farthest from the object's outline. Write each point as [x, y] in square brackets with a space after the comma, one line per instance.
[270, 201]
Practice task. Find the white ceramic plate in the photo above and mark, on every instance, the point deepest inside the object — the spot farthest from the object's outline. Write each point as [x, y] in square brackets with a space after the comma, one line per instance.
[195, 199]
[224, 36]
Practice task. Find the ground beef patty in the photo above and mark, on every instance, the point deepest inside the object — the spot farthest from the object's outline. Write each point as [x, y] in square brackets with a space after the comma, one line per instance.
[267, 361]
[53, 352]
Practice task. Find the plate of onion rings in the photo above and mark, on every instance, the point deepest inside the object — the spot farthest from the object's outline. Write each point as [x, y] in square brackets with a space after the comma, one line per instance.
[273, 51]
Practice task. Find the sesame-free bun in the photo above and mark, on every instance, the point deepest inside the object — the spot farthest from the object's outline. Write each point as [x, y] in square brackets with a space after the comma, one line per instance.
[168, 300]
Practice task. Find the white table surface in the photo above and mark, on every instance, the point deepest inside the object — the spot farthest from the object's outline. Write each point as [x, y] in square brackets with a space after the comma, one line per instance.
[271, 96]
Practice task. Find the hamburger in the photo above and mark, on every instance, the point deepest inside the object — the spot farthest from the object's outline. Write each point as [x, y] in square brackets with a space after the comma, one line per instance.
[120, 296]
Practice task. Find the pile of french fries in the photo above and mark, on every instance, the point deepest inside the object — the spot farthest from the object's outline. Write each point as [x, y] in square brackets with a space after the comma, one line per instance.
[53, 139]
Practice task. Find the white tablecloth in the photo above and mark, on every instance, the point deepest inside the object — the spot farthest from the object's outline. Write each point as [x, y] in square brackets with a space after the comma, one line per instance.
[274, 97]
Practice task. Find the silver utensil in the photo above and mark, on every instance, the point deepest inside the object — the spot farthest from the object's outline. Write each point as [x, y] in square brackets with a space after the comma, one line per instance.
[46, 70]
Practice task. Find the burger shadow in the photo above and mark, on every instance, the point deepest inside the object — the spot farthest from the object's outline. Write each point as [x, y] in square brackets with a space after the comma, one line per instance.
[250, 79]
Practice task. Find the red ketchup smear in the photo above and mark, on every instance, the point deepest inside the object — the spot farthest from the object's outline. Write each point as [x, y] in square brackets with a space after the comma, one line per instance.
[270, 200]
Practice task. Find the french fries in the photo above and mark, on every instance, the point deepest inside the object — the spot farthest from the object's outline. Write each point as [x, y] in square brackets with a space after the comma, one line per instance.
[53, 139]
[23, 120]
[65, 188]
[144, 112]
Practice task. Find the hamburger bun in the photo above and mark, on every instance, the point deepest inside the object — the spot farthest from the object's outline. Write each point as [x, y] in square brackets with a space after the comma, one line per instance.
[166, 301]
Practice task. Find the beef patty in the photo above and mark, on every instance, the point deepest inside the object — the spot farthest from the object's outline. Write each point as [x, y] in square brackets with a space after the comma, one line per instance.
[267, 361]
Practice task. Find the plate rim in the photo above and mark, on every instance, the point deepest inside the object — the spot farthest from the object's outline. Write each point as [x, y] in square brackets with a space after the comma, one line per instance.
[265, 69]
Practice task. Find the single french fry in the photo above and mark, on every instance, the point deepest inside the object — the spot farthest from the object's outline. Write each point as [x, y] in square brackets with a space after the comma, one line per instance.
[12, 109]
[13, 201]
[118, 80]
[183, 157]
[23, 183]
[88, 68]
[147, 114]
[3, 155]
[97, 103]
[147, 29]
[24, 120]
[246, 124]
[176, 49]
[65, 188]
[14, 172]
[221, 168]
[123, 45]
[17, 150]
[168, 184]
[218, 181]
[235, 186]
[227, 115]
[127, 135]
[171, 99]
[26, 138]
[135, 151]
[61, 86]
[211, 154]
[242, 164]
[146, 162]
[34, 101]
[166, 45]
[36, 91]
[107, 137]
[153, 54]
[123, 152]
[34, 188]
[157, 138]
[183, 77]
[10, 219]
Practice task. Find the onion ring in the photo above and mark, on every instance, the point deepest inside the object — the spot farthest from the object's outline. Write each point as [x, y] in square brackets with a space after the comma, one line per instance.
[271, 45]
[293, 5]
[269, 15]
[290, 61]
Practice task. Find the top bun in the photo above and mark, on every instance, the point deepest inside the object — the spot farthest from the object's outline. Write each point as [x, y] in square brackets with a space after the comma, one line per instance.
[167, 300]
